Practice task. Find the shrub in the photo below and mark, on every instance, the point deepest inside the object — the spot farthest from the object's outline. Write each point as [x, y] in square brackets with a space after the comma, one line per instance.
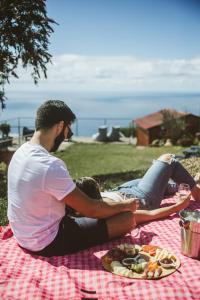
[128, 131]
[185, 141]
[173, 126]
[192, 165]
[5, 129]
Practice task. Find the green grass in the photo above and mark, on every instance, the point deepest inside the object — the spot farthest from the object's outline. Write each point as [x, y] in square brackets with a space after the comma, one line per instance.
[94, 159]
[3, 193]
[3, 211]
[112, 164]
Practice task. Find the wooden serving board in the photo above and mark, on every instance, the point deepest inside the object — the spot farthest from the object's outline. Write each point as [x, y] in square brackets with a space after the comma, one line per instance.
[134, 275]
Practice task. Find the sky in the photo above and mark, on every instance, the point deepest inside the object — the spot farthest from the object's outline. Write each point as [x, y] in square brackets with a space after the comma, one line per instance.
[108, 47]
[146, 29]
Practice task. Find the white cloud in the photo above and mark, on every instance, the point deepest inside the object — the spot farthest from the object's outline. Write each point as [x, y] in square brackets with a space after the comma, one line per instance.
[117, 73]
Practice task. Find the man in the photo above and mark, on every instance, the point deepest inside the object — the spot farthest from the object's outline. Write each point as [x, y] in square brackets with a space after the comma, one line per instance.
[39, 187]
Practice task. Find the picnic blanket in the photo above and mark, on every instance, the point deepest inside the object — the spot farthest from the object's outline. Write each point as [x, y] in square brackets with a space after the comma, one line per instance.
[81, 276]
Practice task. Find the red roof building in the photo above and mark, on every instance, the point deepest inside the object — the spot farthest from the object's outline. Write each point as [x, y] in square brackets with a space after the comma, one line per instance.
[150, 127]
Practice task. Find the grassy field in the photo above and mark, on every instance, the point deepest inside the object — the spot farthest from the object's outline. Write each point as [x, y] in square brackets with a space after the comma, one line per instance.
[94, 159]
[112, 164]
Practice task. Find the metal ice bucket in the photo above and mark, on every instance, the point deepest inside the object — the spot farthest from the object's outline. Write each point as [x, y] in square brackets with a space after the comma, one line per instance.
[190, 233]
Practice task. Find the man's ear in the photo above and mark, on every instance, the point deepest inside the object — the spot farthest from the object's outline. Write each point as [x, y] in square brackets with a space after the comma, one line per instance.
[60, 126]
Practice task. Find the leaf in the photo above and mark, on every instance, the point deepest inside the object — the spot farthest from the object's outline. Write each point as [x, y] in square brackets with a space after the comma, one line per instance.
[25, 29]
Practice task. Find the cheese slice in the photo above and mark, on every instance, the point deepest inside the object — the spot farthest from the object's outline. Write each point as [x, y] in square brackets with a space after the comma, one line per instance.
[158, 252]
[119, 269]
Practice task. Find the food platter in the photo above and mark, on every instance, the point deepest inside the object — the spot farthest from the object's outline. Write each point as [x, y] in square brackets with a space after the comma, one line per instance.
[140, 262]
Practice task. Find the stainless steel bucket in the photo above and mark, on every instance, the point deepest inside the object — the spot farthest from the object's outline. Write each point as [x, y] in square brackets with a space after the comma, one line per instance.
[190, 233]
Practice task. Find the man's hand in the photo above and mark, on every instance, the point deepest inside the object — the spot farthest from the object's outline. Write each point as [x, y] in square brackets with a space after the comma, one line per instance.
[94, 208]
[133, 203]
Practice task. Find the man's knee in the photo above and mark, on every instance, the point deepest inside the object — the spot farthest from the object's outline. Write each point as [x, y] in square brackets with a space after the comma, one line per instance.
[120, 224]
[130, 220]
[167, 157]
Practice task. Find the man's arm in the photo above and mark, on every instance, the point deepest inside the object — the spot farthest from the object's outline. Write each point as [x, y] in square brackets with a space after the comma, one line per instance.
[94, 208]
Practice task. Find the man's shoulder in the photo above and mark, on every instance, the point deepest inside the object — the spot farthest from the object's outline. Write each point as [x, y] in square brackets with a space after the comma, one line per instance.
[46, 158]
[36, 154]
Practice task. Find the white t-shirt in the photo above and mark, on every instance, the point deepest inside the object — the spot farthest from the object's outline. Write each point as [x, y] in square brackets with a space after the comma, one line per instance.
[37, 183]
[114, 196]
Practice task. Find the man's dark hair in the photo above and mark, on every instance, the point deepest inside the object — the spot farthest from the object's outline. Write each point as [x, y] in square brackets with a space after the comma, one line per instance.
[52, 112]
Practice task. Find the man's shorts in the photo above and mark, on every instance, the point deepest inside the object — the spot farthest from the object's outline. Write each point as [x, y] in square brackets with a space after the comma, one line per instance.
[75, 234]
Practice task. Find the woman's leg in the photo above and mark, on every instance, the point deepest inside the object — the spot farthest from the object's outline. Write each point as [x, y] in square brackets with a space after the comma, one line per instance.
[128, 184]
[152, 187]
[171, 188]
[155, 181]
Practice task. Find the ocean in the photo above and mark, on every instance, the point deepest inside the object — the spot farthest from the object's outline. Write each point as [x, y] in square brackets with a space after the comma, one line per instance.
[94, 110]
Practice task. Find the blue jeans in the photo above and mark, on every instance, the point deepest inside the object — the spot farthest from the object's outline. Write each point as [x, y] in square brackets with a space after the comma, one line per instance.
[159, 179]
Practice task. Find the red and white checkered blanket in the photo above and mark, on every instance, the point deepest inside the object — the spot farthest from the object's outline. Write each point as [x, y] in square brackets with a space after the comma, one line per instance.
[81, 276]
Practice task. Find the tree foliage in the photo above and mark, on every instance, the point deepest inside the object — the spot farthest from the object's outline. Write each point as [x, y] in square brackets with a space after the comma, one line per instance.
[25, 29]
[173, 126]
[5, 129]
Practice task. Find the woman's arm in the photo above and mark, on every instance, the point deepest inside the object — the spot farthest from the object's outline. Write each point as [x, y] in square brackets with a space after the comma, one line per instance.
[94, 208]
[142, 216]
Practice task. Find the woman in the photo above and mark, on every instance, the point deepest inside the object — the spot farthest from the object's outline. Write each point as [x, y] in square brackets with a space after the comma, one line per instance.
[150, 190]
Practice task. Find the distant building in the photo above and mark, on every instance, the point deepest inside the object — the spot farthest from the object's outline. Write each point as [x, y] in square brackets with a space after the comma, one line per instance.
[150, 127]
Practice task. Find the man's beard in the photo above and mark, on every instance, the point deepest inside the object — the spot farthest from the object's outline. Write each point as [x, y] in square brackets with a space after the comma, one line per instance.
[58, 140]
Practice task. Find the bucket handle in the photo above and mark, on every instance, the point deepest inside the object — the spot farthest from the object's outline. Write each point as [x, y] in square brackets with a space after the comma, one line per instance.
[184, 223]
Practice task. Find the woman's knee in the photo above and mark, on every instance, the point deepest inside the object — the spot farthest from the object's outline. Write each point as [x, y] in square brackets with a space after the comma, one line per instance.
[167, 157]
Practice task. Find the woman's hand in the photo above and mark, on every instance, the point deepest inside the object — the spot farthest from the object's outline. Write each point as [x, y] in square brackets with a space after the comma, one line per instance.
[183, 201]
